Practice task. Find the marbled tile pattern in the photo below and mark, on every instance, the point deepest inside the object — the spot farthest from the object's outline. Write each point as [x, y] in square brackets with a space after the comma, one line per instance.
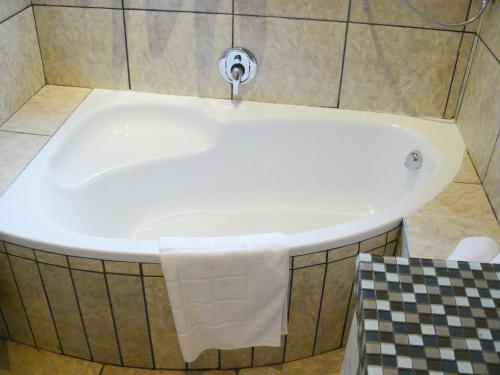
[318, 9]
[65, 310]
[490, 32]
[479, 119]
[9, 7]
[461, 210]
[16, 151]
[215, 6]
[467, 174]
[312, 75]
[82, 3]
[163, 335]
[20, 63]
[338, 285]
[55, 103]
[398, 70]
[90, 288]
[391, 12]
[36, 305]
[459, 76]
[165, 51]
[120, 316]
[12, 306]
[82, 46]
[492, 179]
[130, 317]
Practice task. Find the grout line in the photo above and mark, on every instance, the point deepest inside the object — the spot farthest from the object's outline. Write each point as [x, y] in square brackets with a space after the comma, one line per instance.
[22, 302]
[344, 53]
[26, 133]
[102, 369]
[491, 155]
[14, 14]
[79, 309]
[39, 45]
[112, 313]
[147, 316]
[2, 316]
[48, 303]
[453, 75]
[320, 307]
[465, 83]
[126, 46]
[488, 48]
[21, 106]
[460, 91]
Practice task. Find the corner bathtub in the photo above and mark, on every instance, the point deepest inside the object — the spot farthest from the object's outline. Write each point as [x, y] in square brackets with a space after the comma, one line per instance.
[79, 269]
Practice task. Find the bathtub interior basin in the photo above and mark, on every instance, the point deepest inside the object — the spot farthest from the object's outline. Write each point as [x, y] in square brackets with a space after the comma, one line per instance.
[128, 168]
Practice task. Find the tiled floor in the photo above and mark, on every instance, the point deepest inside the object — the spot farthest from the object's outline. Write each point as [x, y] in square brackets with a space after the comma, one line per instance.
[18, 359]
[461, 210]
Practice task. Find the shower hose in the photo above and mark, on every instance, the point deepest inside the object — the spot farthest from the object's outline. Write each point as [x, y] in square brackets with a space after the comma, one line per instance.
[444, 24]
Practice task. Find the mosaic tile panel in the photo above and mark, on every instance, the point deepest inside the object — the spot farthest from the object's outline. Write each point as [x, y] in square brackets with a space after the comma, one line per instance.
[422, 315]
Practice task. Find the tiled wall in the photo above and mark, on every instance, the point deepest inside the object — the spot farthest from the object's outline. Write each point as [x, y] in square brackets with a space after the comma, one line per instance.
[119, 312]
[479, 117]
[357, 54]
[21, 70]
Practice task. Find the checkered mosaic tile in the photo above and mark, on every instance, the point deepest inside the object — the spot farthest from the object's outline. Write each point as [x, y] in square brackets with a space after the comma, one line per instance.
[422, 316]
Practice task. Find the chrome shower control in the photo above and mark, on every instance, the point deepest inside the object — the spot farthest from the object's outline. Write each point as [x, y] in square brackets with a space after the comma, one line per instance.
[238, 66]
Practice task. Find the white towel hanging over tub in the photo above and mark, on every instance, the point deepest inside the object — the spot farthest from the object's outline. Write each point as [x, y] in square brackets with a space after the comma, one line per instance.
[227, 292]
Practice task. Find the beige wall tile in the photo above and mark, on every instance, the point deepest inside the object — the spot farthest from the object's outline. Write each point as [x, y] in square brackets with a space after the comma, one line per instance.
[267, 355]
[16, 151]
[391, 12]
[51, 258]
[85, 264]
[130, 318]
[458, 78]
[401, 70]
[163, 334]
[150, 269]
[304, 307]
[390, 249]
[36, 305]
[19, 251]
[208, 359]
[12, 307]
[394, 234]
[178, 53]
[338, 285]
[350, 314]
[92, 295]
[9, 7]
[372, 243]
[47, 110]
[122, 267]
[22, 359]
[461, 210]
[343, 252]
[309, 259]
[319, 9]
[20, 63]
[4, 333]
[490, 31]
[65, 310]
[479, 117]
[216, 6]
[294, 66]
[492, 179]
[467, 173]
[237, 358]
[83, 3]
[82, 46]
[2, 247]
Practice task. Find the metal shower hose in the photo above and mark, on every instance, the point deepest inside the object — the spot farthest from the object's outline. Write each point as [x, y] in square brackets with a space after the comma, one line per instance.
[466, 22]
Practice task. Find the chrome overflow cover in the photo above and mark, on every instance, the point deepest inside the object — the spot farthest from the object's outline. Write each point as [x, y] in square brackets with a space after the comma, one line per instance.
[414, 160]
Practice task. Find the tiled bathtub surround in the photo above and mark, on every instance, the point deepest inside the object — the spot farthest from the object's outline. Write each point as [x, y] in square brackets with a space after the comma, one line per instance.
[310, 52]
[119, 313]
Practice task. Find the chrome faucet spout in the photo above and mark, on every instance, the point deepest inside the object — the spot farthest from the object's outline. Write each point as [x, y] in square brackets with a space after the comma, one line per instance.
[237, 72]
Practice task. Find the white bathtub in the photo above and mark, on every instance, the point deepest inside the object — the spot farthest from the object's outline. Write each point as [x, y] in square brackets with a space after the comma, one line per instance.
[127, 168]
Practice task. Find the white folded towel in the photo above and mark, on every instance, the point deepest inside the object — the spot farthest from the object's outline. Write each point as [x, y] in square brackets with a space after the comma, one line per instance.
[227, 292]
[475, 249]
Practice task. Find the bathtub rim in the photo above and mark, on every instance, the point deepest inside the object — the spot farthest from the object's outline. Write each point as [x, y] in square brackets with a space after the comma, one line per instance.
[75, 244]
